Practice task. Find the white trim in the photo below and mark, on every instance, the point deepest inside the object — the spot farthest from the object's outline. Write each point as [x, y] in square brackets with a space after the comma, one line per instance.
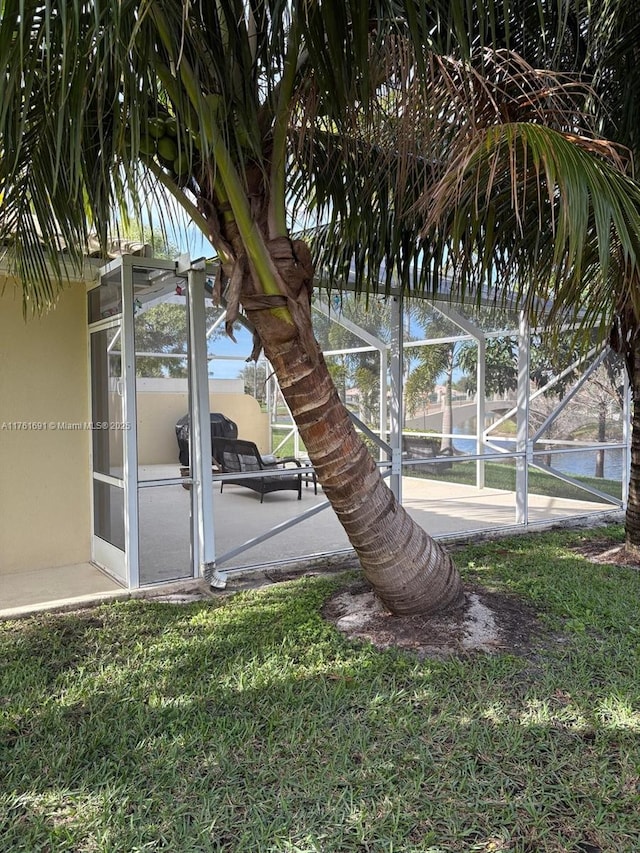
[203, 539]
[109, 479]
[523, 445]
[396, 370]
[111, 559]
[130, 435]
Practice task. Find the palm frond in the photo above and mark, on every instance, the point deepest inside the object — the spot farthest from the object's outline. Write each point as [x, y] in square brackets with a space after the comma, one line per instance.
[481, 170]
[395, 107]
[557, 219]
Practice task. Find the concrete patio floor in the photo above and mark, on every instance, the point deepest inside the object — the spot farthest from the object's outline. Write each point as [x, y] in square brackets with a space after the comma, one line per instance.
[445, 510]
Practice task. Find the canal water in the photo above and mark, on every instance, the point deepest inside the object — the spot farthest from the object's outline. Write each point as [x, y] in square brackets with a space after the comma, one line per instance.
[577, 463]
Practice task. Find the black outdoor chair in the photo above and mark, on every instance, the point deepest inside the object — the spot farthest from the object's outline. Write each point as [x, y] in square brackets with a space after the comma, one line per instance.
[237, 456]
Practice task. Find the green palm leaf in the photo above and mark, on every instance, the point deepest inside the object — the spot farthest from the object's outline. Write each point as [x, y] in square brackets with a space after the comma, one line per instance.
[563, 218]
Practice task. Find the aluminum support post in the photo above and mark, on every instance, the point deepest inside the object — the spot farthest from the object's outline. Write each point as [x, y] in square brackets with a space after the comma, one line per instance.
[480, 409]
[383, 414]
[396, 394]
[627, 409]
[130, 417]
[203, 535]
[522, 420]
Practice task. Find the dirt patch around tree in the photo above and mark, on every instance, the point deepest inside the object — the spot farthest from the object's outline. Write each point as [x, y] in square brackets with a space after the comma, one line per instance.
[487, 622]
[607, 550]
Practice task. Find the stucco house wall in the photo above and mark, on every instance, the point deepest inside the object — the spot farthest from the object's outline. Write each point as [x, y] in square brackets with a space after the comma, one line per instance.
[159, 409]
[44, 467]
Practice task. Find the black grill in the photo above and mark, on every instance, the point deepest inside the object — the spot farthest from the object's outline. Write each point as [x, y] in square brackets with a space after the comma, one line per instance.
[221, 427]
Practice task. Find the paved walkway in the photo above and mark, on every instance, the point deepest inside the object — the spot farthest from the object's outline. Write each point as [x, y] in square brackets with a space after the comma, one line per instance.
[446, 510]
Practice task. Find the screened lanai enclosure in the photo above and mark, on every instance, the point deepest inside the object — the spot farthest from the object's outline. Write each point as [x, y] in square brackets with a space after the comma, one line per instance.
[478, 424]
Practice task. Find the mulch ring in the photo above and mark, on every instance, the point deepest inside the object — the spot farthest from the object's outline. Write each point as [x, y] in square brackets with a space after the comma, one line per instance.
[488, 622]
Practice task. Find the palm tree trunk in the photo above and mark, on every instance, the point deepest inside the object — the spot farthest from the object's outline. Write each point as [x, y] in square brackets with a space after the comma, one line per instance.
[409, 571]
[632, 518]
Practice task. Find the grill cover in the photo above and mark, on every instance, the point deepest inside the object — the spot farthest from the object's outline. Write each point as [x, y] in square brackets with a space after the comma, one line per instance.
[221, 427]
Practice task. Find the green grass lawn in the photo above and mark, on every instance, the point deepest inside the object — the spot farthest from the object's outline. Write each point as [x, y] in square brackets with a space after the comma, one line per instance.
[502, 475]
[249, 724]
